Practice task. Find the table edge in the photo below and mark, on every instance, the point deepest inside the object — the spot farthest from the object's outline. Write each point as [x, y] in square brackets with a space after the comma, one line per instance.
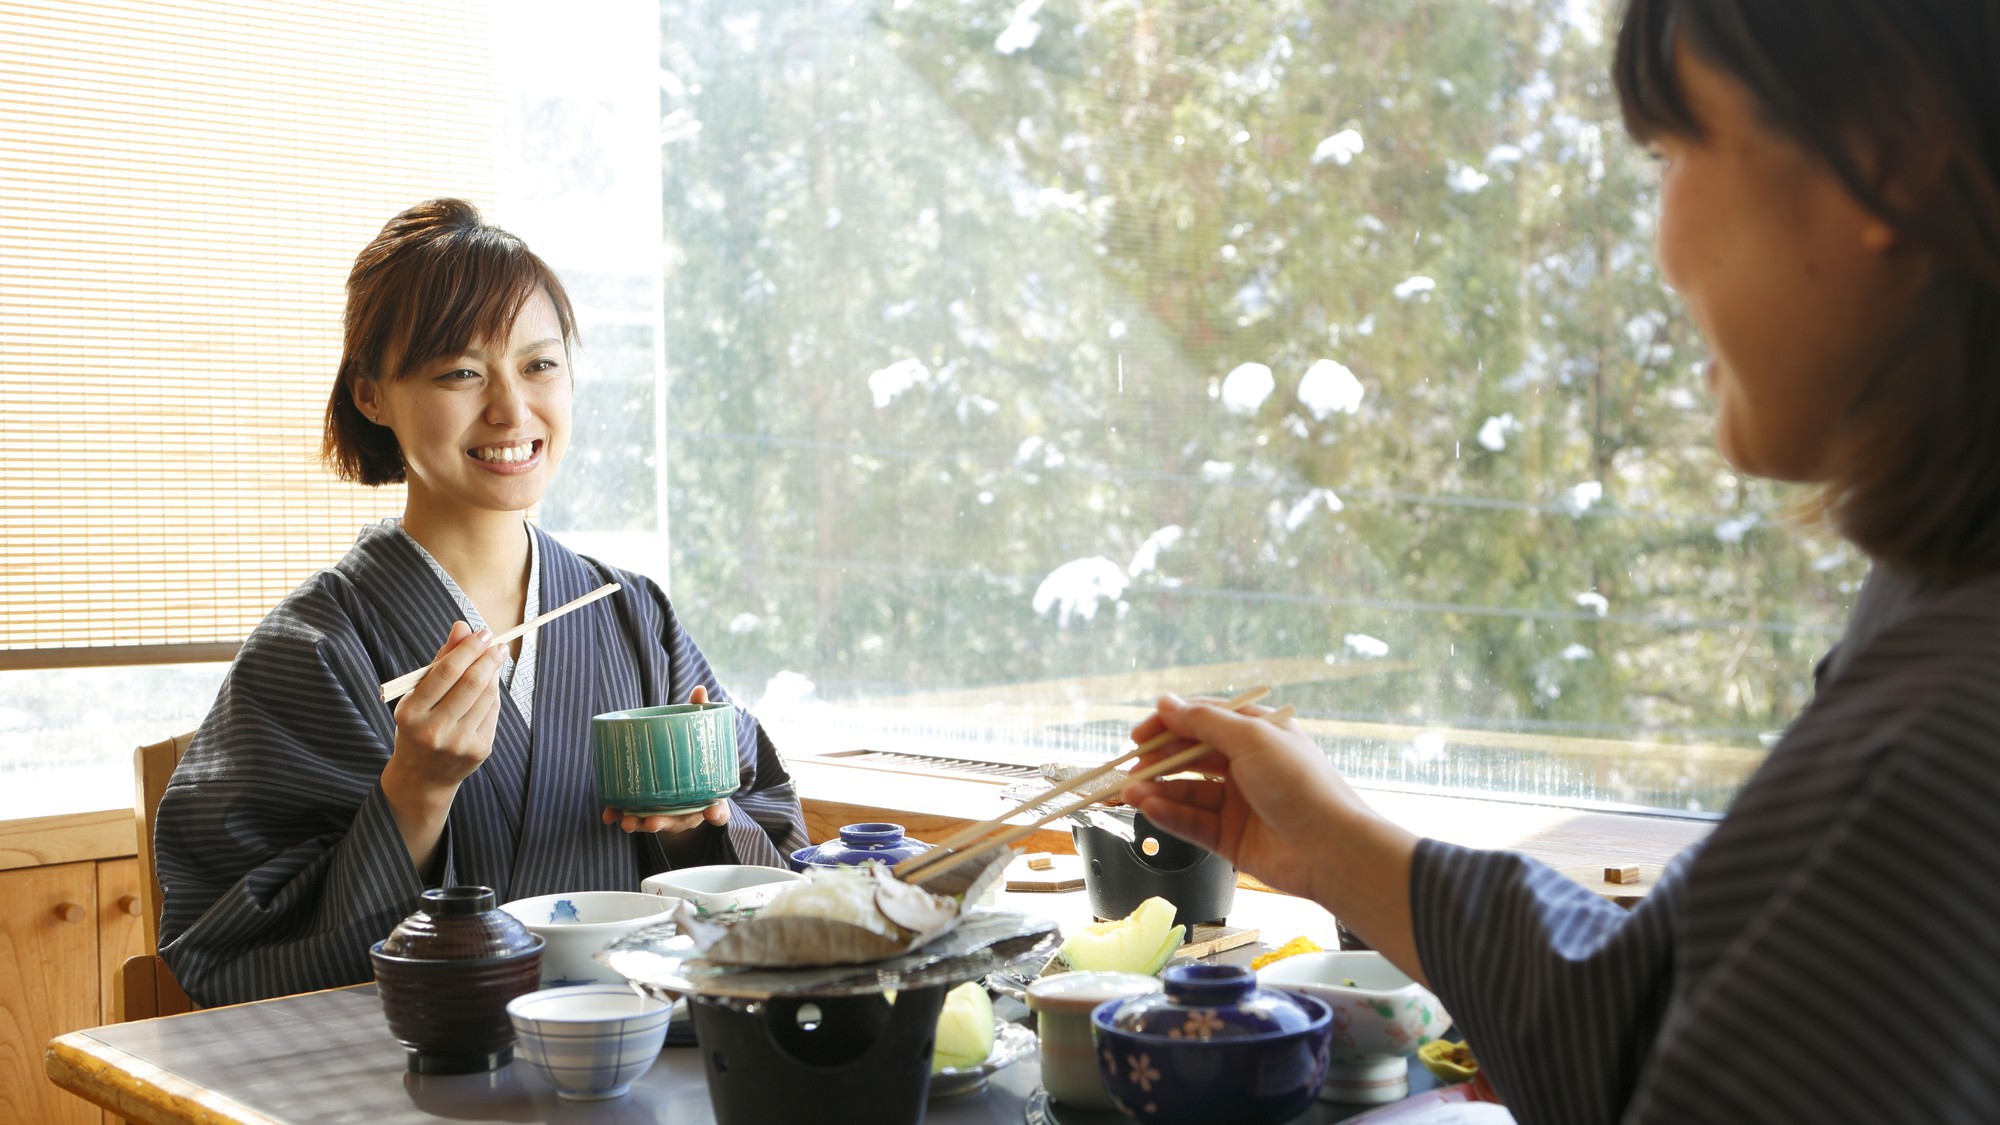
[135, 1089]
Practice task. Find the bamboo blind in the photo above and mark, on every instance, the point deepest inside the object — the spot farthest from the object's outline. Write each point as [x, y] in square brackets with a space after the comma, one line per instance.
[182, 190]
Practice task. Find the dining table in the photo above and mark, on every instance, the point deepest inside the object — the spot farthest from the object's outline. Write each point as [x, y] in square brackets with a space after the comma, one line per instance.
[328, 1057]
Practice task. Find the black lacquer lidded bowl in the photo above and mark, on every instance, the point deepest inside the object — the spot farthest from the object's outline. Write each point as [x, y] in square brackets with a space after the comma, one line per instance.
[445, 975]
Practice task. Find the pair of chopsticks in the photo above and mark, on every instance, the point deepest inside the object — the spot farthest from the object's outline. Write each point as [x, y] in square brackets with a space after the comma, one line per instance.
[946, 855]
[400, 686]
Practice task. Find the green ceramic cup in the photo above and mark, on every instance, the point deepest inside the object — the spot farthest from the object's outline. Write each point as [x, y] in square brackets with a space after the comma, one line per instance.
[669, 760]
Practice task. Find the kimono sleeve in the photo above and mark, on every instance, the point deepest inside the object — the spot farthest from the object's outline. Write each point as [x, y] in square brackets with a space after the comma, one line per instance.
[1865, 988]
[1558, 990]
[279, 859]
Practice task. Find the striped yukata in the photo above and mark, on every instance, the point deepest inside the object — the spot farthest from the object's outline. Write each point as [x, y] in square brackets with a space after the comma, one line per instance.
[1831, 952]
[278, 856]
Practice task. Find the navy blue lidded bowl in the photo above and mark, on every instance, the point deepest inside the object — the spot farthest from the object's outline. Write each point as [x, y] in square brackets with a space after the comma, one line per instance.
[1212, 1047]
[859, 843]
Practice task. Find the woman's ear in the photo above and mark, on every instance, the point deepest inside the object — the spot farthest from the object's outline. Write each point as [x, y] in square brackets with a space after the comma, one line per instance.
[367, 399]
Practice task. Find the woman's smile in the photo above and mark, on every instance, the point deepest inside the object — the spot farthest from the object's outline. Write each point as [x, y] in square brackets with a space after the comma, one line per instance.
[509, 457]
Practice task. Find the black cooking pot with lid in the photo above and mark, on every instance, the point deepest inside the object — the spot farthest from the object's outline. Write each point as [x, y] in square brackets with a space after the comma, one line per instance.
[1119, 874]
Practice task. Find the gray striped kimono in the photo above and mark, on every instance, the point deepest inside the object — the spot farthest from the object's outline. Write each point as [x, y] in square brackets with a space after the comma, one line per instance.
[1830, 953]
[278, 856]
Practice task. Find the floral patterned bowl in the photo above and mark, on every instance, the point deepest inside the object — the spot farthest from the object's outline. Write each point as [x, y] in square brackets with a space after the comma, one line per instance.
[1380, 1018]
[1212, 1047]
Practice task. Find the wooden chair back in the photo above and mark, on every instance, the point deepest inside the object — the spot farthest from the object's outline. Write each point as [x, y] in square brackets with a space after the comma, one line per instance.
[147, 987]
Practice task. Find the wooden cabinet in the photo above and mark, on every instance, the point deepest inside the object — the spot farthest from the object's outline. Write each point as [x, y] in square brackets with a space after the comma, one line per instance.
[70, 913]
[121, 926]
[51, 982]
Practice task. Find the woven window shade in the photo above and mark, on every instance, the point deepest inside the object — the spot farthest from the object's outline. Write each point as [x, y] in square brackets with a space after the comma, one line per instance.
[182, 190]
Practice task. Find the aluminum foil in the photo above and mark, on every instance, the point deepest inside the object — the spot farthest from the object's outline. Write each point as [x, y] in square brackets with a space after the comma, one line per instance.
[664, 962]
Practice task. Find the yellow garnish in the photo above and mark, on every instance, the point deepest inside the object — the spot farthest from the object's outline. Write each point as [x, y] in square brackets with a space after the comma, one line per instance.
[1452, 1062]
[1291, 948]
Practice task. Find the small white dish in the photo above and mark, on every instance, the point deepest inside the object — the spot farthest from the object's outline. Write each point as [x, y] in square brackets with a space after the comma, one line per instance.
[590, 1042]
[1380, 1018]
[578, 925]
[721, 886]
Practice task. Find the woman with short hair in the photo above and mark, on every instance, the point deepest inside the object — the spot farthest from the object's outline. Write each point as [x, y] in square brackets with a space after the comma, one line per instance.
[308, 815]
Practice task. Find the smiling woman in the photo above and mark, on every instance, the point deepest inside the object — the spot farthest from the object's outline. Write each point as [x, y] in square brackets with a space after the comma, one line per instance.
[306, 818]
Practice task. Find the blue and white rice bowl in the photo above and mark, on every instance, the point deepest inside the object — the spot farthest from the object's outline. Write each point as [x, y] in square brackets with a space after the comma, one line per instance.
[590, 1042]
[578, 925]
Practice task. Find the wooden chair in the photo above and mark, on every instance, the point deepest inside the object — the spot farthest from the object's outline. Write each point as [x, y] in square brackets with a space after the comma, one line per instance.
[145, 986]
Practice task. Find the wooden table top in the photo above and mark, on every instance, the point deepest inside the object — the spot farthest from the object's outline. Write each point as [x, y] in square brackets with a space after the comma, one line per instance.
[329, 1057]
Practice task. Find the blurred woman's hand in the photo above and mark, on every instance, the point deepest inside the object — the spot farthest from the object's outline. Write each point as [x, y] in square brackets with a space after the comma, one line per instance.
[1272, 804]
[1268, 799]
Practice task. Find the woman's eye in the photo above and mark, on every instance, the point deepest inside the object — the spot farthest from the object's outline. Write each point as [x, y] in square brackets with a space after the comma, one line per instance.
[545, 364]
[458, 375]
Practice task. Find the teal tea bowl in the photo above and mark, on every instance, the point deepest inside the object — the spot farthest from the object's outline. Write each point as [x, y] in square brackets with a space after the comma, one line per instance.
[680, 758]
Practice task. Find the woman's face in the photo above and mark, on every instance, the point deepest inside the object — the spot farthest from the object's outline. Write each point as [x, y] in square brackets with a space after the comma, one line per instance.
[483, 431]
[1797, 288]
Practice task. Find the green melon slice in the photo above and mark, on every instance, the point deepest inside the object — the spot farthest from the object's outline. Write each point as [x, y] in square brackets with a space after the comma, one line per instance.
[965, 1028]
[1142, 942]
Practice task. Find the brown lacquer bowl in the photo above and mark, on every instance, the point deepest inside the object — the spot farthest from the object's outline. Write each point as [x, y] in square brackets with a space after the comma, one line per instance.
[445, 975]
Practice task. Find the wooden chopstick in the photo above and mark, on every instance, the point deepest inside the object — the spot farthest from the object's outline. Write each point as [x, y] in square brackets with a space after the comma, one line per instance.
[1164, 766]
[400, 686]
[973, 832]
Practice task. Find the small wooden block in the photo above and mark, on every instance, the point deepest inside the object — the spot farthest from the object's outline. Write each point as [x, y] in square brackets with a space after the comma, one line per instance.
[1213, 937]
[1599, 879]
[1063, 873]
[1041, 861]
[1623, 874]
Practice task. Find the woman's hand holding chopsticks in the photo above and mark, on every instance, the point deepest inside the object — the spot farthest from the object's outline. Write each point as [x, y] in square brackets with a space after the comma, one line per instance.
[444, 731]
[1272, 803]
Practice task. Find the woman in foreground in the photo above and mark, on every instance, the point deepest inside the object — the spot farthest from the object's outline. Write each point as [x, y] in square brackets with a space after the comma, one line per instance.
[308, 816]
[1830, 212]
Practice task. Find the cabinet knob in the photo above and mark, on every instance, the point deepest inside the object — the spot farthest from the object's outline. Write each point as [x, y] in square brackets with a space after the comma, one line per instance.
[71, 912]
[130, 904]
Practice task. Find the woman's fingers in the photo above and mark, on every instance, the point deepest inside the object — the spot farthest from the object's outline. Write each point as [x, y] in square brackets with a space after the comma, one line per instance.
[488, 708]
[698, 695]
[1151, 727]
[681, 823]
[1154, 724]
[1199, 793]
[476, 689]
[1191, 822]
[1203, 721]
[717, 814]
[462, 648]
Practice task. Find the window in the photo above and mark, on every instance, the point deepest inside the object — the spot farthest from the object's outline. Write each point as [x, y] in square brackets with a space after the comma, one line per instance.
[1029, 358]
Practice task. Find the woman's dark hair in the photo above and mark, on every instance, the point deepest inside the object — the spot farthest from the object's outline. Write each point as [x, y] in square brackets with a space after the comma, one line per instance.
[434, 281]
[1901, 100]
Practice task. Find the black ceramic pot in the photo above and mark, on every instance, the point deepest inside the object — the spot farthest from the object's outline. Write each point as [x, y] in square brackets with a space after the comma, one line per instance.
[835, 1058]
[445, 975]
[1120, 874]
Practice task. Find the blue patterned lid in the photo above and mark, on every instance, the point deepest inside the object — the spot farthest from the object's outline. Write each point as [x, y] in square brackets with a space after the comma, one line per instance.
[858, 844]
[1205, 1001]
